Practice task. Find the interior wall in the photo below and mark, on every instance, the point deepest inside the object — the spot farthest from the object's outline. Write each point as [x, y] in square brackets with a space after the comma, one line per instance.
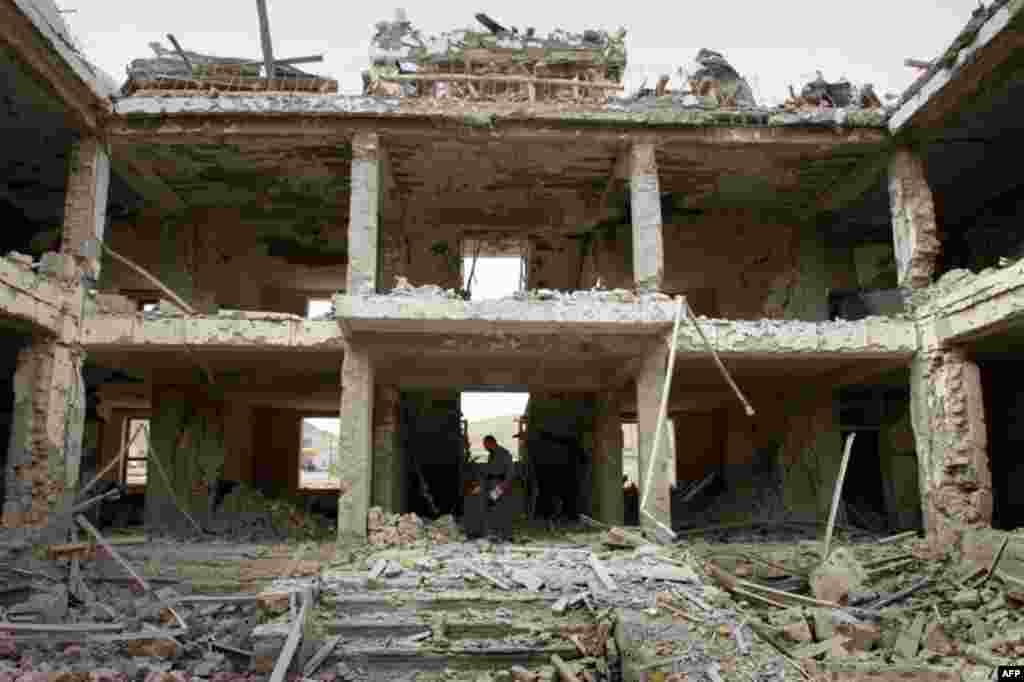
[431, 440]
[991, 232]
[558, 428]
[1004, 414]
[209, 257]
[731, 263]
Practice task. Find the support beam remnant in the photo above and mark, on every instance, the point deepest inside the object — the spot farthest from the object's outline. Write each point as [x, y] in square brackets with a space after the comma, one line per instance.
[913, 220]
[355, 444]
[645, 206]
[364, 214]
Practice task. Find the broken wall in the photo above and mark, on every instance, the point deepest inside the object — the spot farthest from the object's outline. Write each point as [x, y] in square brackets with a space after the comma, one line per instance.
[46, 431]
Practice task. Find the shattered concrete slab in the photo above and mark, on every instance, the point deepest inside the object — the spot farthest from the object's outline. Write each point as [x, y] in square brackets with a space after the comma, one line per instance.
[961, 305]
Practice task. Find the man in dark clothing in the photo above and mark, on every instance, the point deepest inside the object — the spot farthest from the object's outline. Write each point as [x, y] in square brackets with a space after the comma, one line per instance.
[499, 474]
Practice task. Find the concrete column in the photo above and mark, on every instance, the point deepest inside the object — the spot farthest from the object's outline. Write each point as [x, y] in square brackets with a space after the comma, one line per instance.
[948, 417]
[649, 385]
[355, 443]
[85, 209]
[388, 472]
[645, 207]
[46, 433]
[364, 214]
[913, 220]
[607, 471]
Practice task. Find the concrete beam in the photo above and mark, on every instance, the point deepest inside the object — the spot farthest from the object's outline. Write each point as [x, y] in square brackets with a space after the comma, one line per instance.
[438, 315]
[85, 209]
[255, 331]
[645, 208]
[36, 33]
[364, 215]
[355, 444]
[973, 307]
[33, 298]
[914, 230]
[873, 337]
[262, 119]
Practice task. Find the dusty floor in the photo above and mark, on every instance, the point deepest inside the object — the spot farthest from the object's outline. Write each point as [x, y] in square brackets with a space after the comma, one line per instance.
[608, 605]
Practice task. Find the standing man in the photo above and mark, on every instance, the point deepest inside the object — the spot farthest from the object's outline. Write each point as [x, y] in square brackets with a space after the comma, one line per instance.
[499, 474]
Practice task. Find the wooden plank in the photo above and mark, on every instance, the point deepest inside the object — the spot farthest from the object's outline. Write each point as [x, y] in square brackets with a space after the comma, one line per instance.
[268, 47]
[114, 554]
[320, 656]
[291, 645]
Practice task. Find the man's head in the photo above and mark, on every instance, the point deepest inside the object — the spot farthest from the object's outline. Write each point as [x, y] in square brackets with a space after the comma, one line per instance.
[490, 443]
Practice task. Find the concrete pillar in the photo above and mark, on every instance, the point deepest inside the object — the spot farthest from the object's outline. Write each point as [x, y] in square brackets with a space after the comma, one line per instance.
[645, 207]
[948, 417]
[388, 472]
[913, 220]
[607, 470]
[85, 208]
[355, 443]
[45, 447]
[649, 385]
[364, 214]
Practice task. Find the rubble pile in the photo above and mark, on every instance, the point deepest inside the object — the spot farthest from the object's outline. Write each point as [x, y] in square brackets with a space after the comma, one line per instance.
[246, 513]
[203, 75]
[495, 63]
[819, 93]
[401, 530]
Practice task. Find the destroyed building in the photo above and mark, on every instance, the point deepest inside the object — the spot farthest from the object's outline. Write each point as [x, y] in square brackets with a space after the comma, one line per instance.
[855, 268]
[763, 281]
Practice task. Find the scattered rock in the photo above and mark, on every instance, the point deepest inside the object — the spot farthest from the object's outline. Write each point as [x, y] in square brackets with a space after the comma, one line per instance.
[837, 576]
[798, 632]
[936, 639]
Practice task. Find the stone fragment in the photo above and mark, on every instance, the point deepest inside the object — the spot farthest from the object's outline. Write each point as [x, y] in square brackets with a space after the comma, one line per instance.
[798, 632]
[153, 648]
[936, 639]
[521, 674]
[910, 639]
[837, 576]
[967, 598]
[861, 636]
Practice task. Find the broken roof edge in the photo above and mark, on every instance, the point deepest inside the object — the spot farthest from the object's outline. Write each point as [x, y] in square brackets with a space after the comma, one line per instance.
[614, 113]
[948, 66]
[45, 16]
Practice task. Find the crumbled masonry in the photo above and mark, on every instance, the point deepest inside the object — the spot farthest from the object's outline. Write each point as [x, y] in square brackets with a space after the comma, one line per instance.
[761, 361]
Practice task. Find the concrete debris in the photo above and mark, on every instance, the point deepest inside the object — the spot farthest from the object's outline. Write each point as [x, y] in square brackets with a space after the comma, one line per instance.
[718, 85]
[837, 576]
[399, 530]
[819, 93]
[201, 74]
[498, 63]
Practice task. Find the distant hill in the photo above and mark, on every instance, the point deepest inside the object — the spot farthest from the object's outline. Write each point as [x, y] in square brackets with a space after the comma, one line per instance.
[502, 428]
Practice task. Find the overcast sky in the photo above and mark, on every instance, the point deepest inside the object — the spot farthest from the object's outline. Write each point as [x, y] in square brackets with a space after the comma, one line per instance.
[773, 44]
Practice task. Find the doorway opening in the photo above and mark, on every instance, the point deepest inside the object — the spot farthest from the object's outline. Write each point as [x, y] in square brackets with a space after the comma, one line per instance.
[318, 453]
